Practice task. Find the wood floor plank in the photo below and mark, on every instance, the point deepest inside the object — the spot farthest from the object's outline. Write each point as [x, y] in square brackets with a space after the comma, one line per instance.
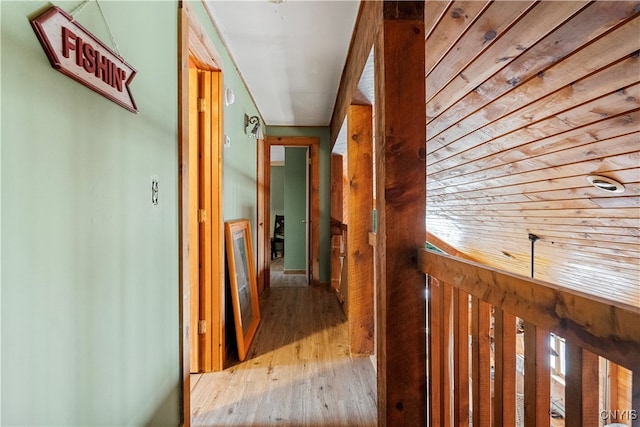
[298, 371]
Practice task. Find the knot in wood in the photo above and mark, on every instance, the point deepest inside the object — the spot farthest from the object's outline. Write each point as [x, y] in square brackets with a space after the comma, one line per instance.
[399, 406]
[456, 13]
[490, 35]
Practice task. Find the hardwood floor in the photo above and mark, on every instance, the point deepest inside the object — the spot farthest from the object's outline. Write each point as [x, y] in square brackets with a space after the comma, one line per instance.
[281, 280]
[298, 371]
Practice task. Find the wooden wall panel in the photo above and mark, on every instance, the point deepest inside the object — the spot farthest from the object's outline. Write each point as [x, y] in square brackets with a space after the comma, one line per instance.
[512, 135]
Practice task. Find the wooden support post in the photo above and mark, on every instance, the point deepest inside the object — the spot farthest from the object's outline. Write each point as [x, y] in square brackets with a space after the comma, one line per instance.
[582, 381]
[505, 369]
[401, 206]
[481, 363]
[461, 358]
[360, 253]
[537, 376]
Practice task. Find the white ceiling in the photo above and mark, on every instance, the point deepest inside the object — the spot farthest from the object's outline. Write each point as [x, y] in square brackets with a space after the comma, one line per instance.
[290, 53]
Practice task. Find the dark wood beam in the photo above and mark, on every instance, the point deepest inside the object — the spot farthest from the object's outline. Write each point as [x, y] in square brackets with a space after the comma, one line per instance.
[401, 206]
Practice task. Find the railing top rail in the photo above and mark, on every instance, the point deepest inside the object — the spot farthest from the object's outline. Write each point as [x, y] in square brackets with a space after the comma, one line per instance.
[608, 328]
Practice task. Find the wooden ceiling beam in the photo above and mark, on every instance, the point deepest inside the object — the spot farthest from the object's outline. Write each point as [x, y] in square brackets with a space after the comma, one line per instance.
[364, 34]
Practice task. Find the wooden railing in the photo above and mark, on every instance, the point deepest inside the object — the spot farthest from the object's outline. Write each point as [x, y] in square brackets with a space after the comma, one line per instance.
[474, 331]
[338, 259]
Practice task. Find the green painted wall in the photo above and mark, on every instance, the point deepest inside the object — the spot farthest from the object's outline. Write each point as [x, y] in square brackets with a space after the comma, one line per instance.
[295, 193]
[276, 188]
[325, 187]
[90, 267]
[239, 193]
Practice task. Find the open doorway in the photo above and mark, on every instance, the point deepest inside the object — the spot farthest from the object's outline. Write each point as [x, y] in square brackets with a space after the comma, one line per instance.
[201, 269]
[203, 211]
[289, 216]
[265, 225]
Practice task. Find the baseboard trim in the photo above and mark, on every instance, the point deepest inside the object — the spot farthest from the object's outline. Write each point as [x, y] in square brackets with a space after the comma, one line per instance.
[293, 271]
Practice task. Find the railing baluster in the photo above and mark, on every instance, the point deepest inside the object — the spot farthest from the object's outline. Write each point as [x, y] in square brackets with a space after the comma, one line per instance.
[461, 358]
[592, 327]
[435, 353]
[505, 369]
[481, 363]
[582, 383]
[447, 354]
[537, 376]
[336, 263]
[635, 397]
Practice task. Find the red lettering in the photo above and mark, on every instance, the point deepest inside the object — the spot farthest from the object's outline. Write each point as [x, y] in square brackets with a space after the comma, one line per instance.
[67, 35]
[120, 76]
[89, 62]
[112, 74]
[79, 44]
[102, 66]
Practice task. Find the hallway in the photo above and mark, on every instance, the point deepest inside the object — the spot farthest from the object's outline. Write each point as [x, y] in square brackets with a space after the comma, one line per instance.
[298, 371]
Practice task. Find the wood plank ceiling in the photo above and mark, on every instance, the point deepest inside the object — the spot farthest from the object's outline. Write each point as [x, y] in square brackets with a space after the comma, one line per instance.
[524, 101]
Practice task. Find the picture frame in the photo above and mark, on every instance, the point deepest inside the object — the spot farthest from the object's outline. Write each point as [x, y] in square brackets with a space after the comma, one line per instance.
[242, 279]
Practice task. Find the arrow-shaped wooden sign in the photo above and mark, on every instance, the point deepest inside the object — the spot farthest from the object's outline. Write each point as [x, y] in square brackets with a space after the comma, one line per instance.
[77, 53]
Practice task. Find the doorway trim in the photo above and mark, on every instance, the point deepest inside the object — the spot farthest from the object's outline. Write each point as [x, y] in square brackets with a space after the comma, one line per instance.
[264, 180]
[193, 44]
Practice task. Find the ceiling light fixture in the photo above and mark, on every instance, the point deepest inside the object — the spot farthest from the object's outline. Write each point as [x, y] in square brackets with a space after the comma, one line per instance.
[252, 127]
[605, 184]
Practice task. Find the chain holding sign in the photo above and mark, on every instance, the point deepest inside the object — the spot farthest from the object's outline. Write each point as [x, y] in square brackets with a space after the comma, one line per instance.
[78, 54]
